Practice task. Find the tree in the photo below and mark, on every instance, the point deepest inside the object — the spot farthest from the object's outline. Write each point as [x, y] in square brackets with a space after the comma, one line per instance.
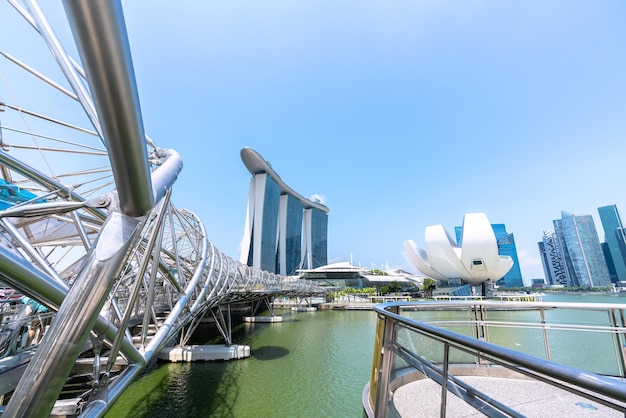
[428, 287]
[394, 287]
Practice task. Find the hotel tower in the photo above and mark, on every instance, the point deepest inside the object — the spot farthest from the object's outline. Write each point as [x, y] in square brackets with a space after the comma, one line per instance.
[284, 231]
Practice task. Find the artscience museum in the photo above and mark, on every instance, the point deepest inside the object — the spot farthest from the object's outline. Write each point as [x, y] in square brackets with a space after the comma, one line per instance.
[474, 260]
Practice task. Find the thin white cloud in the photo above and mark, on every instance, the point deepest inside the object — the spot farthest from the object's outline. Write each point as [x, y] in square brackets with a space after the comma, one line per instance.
[318, 198]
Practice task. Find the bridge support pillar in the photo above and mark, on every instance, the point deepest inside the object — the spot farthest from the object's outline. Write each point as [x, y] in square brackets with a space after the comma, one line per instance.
[272, 318]
[191, 353]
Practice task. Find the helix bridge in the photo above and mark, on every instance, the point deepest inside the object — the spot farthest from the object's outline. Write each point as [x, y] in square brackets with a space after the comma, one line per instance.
[99, 271]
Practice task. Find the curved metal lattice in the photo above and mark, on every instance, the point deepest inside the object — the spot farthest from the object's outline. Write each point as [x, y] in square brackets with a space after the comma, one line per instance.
[99, 269]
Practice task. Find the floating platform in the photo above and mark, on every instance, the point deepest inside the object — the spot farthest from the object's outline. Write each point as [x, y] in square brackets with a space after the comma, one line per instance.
[263, 319]
[304, 308]
[359, 307]
[190, 353]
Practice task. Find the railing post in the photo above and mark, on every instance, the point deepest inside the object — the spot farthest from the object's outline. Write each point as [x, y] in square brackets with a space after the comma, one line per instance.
[444, 381]
[546, 343]
[230, 327]
[621, 342]
[483, 320]
[386, 364]
[618, 341]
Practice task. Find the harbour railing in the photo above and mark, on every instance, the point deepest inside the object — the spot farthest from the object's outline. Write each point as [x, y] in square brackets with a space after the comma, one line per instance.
[497, 358]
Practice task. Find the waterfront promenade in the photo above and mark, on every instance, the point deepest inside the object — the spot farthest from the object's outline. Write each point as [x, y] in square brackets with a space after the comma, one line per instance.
[363, 303]
[492, 358]
[344, 303]
[529, 398]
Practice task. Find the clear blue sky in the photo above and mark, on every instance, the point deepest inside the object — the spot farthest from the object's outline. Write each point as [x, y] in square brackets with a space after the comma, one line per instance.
[400, 114]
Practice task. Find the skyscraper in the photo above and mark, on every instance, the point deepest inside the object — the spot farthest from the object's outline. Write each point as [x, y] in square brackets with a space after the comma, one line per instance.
[609, 262]
[261, 243]
[284, 231]
[289, 254]
[553, 260]
[549, 279]
[615, 241]
[584, 260]
[506, 246]
[314, 244]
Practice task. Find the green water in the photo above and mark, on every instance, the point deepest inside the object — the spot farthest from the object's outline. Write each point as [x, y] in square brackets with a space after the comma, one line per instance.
[589, 351]
[313, 364]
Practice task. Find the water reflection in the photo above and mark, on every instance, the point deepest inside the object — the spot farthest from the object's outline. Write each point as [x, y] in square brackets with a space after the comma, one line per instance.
[269, 352]
[309, 365]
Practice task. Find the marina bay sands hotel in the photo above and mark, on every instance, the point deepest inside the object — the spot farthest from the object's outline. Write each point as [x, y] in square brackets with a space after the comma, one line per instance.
[284, 231]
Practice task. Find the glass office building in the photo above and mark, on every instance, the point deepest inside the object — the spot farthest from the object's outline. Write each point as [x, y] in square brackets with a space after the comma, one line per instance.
[583, 254]
[506, 246]
[553, 260]
[289, 254]
[615, 242]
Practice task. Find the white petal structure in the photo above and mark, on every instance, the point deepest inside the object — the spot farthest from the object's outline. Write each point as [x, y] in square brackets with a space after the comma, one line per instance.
[475, 261]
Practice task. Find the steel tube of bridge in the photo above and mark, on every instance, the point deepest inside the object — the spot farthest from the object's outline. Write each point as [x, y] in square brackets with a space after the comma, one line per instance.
[12, 231]
[23, 276]
[164, 178]
[47, 372]
[100, 33]
[35, 17]
[39, 75]
[27, 171]
[159, 338]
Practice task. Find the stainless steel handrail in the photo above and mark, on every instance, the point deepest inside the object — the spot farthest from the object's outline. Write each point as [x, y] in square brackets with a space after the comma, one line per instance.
[608, 391]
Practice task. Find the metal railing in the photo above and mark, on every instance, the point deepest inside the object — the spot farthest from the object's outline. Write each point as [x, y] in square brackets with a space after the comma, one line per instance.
[461, 346]
[21, 330]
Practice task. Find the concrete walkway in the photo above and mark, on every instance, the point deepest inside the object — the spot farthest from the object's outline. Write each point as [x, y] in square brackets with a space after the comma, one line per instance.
[422, 399]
